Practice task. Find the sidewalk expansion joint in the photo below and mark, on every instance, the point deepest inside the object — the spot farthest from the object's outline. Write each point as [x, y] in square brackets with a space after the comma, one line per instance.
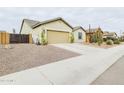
[42, 74]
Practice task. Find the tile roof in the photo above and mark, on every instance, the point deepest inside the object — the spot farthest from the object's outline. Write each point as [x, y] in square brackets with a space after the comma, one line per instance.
[31, 23]
[34, 24]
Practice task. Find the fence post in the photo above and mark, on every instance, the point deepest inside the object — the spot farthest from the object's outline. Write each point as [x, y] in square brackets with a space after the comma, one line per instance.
[4, 39]
[7, 38]
[30, 38]
[0, 38]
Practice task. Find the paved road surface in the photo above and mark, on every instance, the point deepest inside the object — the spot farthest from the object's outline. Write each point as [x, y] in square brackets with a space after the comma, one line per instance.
[113, 76]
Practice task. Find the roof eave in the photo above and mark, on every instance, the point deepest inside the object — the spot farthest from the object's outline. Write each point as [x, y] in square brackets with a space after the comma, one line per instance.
[79, 28]
[37, 25]
[21, 26]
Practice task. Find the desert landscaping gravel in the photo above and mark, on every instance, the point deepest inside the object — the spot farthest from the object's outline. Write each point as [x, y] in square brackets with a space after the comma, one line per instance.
[25, 56]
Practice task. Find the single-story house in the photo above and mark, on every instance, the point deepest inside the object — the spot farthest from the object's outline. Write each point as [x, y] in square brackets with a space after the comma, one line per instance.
[107, 34]
[79, 34]
[90, 32]
[56, 30]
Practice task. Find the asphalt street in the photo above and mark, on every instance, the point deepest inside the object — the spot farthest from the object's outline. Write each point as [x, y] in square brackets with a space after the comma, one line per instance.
[112, 76]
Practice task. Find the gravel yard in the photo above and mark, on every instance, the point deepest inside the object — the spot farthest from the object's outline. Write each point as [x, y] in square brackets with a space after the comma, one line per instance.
[25, 56]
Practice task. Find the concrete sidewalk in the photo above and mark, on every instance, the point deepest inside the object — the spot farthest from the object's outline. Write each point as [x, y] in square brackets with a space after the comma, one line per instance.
[77, 70]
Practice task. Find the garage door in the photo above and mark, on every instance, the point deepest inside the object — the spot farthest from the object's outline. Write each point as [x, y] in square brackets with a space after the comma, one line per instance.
[58, 37]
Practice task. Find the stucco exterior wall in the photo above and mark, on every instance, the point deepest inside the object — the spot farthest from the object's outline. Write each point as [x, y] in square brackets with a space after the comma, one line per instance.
[76, 40]
[26, 29]
[57, 25]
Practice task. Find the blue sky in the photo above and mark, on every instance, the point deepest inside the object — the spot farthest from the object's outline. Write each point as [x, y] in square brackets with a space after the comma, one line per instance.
[109, 19]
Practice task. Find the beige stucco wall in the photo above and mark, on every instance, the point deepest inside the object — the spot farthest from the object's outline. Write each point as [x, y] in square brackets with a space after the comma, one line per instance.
[56, 25]
[26, 29]
[76, 36]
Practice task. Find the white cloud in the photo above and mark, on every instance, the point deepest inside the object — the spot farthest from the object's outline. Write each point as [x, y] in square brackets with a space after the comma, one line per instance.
[108, 18]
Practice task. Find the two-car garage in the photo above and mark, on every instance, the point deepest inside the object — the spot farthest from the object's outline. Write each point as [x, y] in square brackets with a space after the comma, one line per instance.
[57, 37]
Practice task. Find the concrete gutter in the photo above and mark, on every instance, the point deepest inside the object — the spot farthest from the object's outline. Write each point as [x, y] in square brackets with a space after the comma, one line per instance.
[83, 69]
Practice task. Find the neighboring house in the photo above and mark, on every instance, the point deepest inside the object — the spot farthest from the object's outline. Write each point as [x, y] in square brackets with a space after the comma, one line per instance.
[107, 34]
[56, 30]
[90, 32]
[122, 34]
[79, 34]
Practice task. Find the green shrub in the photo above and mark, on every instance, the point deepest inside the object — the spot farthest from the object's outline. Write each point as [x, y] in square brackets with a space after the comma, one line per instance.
[109, 42]
[111, 38]
[121, 39]
[71, 38]
[100, 41]
[104, 39]
[97, 38]
[44, 42]
[94, 38]
[116, 41]
[43, 39]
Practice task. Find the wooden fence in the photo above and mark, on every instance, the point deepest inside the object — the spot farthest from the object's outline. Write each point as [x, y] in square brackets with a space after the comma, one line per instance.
[19, 38]
[6, 38]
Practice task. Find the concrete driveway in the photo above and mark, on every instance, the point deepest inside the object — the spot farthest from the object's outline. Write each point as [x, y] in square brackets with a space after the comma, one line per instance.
[80, 48]
[83, 69]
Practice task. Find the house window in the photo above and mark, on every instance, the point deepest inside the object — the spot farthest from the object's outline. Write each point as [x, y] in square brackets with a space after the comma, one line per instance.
[79, 35]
